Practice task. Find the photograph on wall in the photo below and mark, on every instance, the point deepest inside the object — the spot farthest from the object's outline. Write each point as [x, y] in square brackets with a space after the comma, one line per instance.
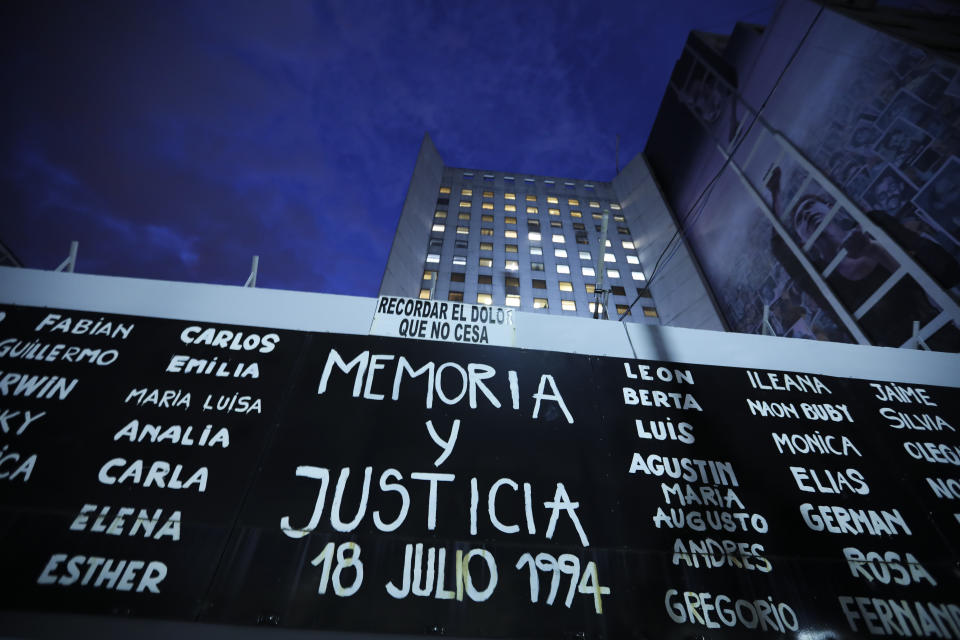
[902, 143]
[939, 200]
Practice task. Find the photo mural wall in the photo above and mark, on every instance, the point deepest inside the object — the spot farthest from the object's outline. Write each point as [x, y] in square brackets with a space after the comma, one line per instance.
[878, 117]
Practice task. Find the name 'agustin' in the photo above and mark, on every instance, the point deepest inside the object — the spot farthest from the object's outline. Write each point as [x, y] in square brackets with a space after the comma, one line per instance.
[448, 381]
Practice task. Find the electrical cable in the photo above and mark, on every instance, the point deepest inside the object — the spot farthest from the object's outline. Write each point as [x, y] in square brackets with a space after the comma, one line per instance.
[709, 187]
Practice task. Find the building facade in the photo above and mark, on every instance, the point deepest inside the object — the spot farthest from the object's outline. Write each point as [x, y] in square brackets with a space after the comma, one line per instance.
[815, 167]
[801, 179]
[534, 243]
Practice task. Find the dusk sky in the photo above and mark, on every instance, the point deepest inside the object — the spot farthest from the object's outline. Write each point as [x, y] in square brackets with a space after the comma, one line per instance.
[175, 140]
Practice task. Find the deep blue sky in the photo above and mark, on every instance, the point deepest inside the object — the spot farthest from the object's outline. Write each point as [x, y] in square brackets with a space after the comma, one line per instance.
[175, 140]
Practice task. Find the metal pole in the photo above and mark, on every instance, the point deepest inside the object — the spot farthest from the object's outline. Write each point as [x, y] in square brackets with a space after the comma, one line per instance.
[71, 262]
[252, 280]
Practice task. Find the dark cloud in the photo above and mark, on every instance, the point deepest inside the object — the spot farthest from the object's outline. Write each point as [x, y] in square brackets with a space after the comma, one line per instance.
[175, 140]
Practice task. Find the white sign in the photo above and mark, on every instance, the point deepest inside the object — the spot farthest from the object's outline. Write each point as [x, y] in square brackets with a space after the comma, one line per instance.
[444, 321]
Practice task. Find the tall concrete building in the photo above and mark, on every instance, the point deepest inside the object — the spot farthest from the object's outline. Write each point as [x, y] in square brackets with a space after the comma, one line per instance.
[533, 243]
[815, 166]
[801, 179]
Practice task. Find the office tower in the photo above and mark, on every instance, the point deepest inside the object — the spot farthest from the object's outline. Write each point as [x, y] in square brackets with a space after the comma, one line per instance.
[814, 166]
[533, 243]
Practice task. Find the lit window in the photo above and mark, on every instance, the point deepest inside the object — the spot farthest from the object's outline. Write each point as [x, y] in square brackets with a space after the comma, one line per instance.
[513, 300]
[558, 238]
[484, 298]
[486, 262]
[589, 187]
[563, 268]
[597, 216]
[460, 260]
[509, 220]
[619, 218]
[488, 194]
[552, 200]
[532, 210]
[465, 204]
[429, 275]
[510, 207]
[539, 284]
[433, 257]
[424, 294]
[623, 231]
[594, 204]
[466, 192]
[468, 176]
[592, 305]
[510, 248]
[488, 177]
[536, 251]
[609, 257]
[548, 182]
[488, 206]
[534, 236]
[590, 288]
[438, 227]
[529, 180]
[613, 273]
[463, 230]
[560, 253]
[637, 275]
[486, 246]
[615, 206]
[576, 214]
[539, 303]
[440, 214]
[536, 266]
[486, 218]
[444, 189]
[553, 212]
[627, 244]
[511, 265]
[486, 231]
[573, 202]
[484, 279]
[650, 312]
[608, 243]
[565, 286]
[633, 260]
[569, 185]
[510, 196]
[511, 282]
[568, 305]
[585, 255]
[457, 276]
[531, 197]
[455, 295]
[617, 290]
[587, 271]
[510, 233]
[623, 309]
[463, 216]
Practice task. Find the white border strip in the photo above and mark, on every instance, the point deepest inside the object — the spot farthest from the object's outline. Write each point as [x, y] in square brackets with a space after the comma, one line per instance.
[327, 313]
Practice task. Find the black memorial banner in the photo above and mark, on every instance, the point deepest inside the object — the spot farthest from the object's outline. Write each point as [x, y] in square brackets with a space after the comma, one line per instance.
[238, 475]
